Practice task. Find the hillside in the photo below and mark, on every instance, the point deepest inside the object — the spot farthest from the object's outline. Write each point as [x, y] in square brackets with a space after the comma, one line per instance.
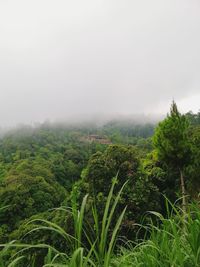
[53, 166]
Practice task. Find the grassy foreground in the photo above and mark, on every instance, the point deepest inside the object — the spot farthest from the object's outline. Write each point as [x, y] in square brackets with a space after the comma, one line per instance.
[173, 242]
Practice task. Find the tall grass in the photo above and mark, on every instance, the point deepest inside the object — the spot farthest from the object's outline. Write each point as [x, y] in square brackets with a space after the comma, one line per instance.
[171, 242]
[99, 235]
[174, 242]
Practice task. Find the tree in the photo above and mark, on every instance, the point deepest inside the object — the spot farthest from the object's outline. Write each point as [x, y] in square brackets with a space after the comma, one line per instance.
[171, 141]
[139, 195]
[102, 167]
[193, 169]
[24, 195]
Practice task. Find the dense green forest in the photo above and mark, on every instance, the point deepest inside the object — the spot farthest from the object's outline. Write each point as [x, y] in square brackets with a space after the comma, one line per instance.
[82, 195]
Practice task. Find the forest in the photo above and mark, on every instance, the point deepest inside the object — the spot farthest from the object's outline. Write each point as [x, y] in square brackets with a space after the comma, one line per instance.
[116, 195]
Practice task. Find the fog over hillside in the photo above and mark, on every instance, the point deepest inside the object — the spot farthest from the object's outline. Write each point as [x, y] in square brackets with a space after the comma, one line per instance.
[62, 60]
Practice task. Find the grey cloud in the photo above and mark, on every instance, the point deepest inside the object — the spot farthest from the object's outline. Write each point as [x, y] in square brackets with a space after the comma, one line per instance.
[64, 58]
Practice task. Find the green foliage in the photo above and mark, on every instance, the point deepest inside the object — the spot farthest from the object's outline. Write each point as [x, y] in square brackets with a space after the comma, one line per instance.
[171, 139]
[26, 195]
[168, 243]
[60, 150]
[173, 145]
[102, 167]
[101, 245]
[155, 250]
[46, 167]
[193, 169]
[194, 119]
[140, 195]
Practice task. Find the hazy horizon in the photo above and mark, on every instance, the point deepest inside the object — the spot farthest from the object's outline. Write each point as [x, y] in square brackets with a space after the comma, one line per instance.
[65, 60]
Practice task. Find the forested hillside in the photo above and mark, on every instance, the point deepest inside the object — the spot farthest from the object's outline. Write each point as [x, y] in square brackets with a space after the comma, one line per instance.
[48, 170]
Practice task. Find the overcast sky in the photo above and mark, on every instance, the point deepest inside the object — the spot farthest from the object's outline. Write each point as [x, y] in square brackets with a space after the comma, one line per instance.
[65, 58]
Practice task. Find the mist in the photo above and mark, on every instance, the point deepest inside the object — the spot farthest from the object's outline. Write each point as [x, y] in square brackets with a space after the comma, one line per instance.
[63, 60]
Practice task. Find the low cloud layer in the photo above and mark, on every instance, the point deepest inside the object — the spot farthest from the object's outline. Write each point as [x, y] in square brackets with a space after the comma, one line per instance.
[60, 59]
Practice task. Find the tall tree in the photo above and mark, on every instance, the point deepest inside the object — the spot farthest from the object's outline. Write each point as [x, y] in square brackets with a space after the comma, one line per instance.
[171, 141]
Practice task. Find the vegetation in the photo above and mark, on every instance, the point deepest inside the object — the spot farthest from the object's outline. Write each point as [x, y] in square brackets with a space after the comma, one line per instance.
[168, 243]
[96, 195]
[172, 144]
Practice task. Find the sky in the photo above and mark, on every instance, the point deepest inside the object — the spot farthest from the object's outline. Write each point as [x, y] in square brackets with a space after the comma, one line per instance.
[64, 59]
